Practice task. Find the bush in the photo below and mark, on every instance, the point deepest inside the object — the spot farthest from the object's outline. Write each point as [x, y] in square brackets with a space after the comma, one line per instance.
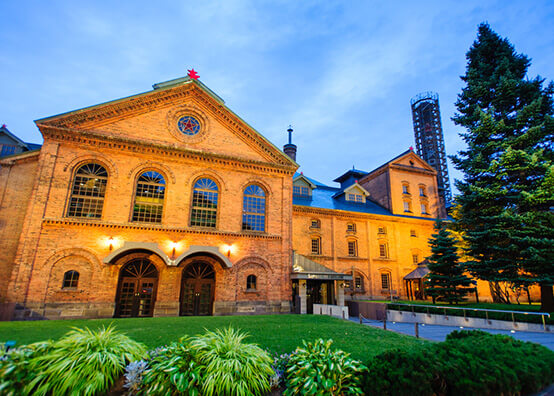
[469, 362]
[83, 362]
[171, 371]
[316, 369]
[229, 366]
[14, 369]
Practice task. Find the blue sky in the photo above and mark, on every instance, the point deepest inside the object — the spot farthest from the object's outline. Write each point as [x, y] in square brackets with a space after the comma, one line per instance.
[341, 72]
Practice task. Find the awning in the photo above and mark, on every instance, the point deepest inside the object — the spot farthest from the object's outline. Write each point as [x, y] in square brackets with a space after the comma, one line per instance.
[304, 268]
[420, 272]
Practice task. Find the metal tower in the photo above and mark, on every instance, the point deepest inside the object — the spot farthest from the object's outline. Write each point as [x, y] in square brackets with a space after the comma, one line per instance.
[430, 139]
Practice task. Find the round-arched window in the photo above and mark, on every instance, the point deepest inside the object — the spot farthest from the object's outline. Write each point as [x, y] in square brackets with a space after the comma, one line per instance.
[149, 198]
[251, 282]
[88, 190]
[253, 209]
[204, 203]
[70, 279]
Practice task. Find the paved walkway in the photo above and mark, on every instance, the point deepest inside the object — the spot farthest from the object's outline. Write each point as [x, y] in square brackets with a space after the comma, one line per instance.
[439, 333]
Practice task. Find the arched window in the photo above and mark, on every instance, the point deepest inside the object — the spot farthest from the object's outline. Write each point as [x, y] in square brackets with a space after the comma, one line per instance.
[87, 194]
[70, 279]
[251, 282]
[204, 203]
[149, 198]
[253, 209]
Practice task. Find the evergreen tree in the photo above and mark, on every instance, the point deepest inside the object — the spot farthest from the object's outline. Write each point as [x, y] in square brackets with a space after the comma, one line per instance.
[446, 280]
[506, 194]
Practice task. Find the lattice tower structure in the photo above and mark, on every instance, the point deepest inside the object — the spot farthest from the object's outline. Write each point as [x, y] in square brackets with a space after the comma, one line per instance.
[430, 139]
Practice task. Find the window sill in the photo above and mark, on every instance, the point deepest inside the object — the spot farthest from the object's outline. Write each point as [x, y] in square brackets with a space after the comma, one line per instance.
[408, 211]
[70, 290]
[254, 291]
[383, 258]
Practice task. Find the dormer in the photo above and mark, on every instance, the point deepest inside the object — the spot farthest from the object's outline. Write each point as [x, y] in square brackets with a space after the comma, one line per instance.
[354, 193]
[349, 178]
[302, 187]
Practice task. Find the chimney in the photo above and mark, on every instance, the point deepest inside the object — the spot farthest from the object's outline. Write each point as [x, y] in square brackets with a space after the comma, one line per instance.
[289, 148]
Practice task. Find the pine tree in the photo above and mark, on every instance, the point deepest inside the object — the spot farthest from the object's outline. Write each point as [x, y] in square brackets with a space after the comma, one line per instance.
[506, 194]
[446, 280]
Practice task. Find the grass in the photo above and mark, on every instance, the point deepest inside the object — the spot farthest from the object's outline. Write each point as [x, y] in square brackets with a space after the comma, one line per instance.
[278, 333]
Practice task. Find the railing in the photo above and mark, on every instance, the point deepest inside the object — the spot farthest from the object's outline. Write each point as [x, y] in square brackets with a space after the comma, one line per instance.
[487, 311]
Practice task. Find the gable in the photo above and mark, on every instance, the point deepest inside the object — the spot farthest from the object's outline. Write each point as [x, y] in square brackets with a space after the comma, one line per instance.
[356, 189]
[412, 160]
[153, 118]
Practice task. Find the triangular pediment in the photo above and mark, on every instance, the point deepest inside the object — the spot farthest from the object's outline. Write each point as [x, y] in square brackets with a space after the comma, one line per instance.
[356, 189]
[181, 113]
[411, 160]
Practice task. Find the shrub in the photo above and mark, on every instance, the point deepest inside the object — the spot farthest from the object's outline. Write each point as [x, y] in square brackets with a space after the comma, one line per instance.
[280, 363]
[469, 362]
[229, 366]
[83, 362]
[170, 371]
[14, 369]
[317, 369]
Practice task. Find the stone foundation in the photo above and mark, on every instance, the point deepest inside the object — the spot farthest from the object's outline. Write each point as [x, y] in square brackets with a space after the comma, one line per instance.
[251, 307]
[66, 310]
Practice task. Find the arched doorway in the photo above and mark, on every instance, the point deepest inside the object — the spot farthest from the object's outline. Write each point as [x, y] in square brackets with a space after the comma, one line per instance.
[197, 289]
[136, 291]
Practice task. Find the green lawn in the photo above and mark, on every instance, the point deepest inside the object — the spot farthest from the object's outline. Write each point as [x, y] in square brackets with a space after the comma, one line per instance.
[278, 333]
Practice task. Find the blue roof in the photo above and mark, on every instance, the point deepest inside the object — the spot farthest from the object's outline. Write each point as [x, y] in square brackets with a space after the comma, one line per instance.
[322, 198]
[318, 184]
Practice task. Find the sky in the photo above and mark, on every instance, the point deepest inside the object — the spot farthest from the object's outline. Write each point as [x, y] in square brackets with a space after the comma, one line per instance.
[342, 73]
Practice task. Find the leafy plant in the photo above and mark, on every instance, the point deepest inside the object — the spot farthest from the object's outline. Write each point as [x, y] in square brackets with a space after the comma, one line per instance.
[316, 369]
[171, 371]
[230, 366]
[83, 362]
[14, 368]
[279, 366]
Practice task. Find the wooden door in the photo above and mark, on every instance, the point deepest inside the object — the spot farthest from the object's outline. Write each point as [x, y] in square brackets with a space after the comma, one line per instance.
[136, 294]
[197, 290]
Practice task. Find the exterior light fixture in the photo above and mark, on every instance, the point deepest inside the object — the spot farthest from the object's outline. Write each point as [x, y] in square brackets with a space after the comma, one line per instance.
[173, 246]
[110, 243]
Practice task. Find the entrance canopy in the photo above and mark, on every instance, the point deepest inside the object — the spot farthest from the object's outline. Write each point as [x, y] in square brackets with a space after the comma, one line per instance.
[304, 268]
[419, 273]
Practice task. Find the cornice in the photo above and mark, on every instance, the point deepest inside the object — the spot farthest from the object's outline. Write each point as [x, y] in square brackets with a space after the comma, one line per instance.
[20, 158]
[105, 141]
[343, 214]
[153, 227]
[413, 169]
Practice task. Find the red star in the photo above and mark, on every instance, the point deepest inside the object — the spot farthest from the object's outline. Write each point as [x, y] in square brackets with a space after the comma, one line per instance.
[192, 74]
[4, 125]
[188, 126]
[411, 148]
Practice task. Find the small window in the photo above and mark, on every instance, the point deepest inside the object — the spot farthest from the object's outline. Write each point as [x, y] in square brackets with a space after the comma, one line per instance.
[352, 248]
[351, 227]
[6, 149]
[424, 209]
[251, 282]
[300, 191]
[383, 251]
[315, 224]
[422, 191]
[355, 198]
[385, 281]
[415, 259]
[382, 230]
[316, 246]
[413, 233]
[358, 283]
[407, 206]
[405, 188]
[70, 280]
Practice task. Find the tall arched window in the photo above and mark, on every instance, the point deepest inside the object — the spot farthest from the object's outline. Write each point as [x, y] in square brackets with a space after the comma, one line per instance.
[204, 203]
[87, 194]
[70, 279]
[253, 209]
[149, 198]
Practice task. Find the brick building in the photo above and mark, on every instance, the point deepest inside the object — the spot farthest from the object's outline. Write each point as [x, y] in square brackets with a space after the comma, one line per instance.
[167, 203]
